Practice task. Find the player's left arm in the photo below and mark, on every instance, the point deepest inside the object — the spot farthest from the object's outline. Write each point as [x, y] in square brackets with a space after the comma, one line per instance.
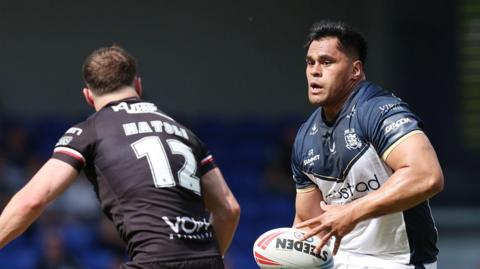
[417, 177]
[224, 208]
[27, 204]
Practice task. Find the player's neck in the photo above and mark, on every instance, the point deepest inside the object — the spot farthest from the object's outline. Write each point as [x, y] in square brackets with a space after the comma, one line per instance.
[331, 112]
[124, 93]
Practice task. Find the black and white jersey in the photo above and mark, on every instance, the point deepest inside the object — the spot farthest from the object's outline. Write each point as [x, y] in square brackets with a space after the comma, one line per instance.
[146, 170]
[345, 159]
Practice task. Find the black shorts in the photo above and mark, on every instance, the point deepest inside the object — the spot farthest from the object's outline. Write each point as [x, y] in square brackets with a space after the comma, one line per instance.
[198, 263]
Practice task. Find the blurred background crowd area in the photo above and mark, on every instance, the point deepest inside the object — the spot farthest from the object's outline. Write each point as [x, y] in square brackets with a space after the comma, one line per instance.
[233, 73]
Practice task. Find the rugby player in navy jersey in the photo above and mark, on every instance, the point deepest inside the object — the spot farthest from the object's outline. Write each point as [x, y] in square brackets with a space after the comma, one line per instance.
[363, 167]
[154, 178]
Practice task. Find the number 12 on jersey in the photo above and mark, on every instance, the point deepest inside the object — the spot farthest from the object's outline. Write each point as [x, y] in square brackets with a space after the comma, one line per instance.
[152, 149]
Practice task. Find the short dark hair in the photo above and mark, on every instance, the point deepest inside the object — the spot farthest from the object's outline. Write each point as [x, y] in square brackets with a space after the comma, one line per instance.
[350, 40]
[108, 69]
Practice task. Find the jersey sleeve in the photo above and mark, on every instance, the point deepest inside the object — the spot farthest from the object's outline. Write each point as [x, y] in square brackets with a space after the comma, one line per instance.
[206, 160]
[386, 122]
[76, 146]
[302, 182]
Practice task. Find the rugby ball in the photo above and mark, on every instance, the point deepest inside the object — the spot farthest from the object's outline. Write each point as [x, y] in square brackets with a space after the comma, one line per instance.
[282, 248]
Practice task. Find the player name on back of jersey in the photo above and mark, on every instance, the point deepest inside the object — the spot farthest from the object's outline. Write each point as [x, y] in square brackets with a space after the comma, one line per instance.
[154, 126]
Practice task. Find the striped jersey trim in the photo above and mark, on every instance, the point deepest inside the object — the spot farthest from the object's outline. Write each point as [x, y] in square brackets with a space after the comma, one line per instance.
[70, 152]
[394, 145]
[307, 189]
[207, 160]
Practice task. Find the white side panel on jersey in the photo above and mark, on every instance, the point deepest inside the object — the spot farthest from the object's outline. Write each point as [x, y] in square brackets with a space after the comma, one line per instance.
[386, 234]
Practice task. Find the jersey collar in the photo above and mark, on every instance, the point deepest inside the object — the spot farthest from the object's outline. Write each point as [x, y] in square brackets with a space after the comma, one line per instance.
[128, 99]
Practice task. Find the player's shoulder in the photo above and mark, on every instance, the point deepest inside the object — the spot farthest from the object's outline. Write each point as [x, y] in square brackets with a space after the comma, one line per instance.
[309, 126]
[85, 124]
[80, 132]
[374, 99]
[309, 123]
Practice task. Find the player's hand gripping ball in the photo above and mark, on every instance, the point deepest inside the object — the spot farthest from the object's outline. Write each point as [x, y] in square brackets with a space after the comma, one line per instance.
[282, 248]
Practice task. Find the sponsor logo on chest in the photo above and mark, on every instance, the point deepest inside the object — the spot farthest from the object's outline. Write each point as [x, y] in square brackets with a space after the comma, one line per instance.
[311, 158]
[349, 191]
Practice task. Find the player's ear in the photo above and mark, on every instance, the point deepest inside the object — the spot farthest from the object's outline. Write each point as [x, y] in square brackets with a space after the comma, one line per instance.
[88, 97]
[138, 85]
[357, 70]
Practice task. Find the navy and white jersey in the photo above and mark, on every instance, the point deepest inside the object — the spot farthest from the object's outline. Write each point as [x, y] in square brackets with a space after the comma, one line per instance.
[146, 170]
[345, 159]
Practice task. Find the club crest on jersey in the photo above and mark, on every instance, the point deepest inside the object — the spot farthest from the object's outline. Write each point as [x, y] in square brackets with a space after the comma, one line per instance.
[351, 139]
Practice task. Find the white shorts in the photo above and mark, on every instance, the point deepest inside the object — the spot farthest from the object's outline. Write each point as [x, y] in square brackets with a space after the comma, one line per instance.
[347, 260]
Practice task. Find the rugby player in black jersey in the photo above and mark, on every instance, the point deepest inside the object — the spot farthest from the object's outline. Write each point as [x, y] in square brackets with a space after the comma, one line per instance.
[156, 181]
[363, 167]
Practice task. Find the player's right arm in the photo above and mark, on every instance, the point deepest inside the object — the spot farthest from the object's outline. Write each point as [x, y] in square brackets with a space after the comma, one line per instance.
[28, 203]
[55, 176]
[224, 208]
[308, 198]
[307, 204]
